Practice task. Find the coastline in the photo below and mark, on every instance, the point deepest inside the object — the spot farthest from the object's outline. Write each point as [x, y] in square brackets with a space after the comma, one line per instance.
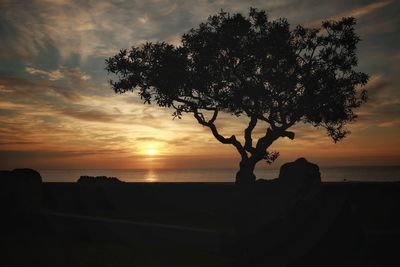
[338, 173]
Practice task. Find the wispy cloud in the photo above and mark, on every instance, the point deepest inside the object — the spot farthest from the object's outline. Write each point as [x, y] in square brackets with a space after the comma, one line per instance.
[73, 74]
[358, 12]
[362, 11]
[51, 75]
[89, 115]
[13, 86]
[391, 123]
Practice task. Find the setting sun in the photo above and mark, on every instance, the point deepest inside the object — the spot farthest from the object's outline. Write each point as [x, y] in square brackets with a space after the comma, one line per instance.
[151, 152]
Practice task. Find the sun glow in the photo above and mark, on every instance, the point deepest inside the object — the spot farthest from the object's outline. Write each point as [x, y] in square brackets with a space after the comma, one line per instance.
[151, 152]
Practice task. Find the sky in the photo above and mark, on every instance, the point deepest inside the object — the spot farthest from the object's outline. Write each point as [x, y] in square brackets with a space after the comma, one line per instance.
[57, 110]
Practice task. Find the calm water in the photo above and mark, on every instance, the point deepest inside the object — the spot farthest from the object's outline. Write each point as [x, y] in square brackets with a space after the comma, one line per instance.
[375, 173]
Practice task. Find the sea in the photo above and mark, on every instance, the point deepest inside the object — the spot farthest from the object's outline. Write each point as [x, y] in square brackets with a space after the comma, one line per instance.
[328, 174]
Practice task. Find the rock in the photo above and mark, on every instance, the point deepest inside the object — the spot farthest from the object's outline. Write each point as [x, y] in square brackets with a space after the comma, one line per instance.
[27, 176]
[21, 200]
[300, 173]
[280, 211]
[20, 195]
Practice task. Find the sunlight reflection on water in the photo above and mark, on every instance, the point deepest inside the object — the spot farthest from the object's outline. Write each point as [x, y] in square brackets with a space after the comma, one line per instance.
[151, 176]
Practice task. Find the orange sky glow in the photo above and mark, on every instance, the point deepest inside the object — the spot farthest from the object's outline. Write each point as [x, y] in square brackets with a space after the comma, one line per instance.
[57, 110]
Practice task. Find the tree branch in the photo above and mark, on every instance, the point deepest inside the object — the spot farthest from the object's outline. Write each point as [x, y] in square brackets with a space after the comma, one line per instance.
[287, 134]
[248, 145]
[266, 141]
[214, 117]
[263, 118]
[210, 124]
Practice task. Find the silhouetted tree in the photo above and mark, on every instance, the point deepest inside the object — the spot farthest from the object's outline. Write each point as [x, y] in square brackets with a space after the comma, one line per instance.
[254, 67]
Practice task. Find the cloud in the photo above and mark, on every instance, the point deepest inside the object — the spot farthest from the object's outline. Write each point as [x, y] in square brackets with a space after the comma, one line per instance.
[51, 75]
[376, 84]
[382, 108]
[89, 29]
[362, 11]
[390, 123]
[89, 115]
[75, 75]
[183, 140]
[101, 28]
[21, 143]
[381, 94]
[149, 139]
[358, 12]
[23, 87]
[49, 154]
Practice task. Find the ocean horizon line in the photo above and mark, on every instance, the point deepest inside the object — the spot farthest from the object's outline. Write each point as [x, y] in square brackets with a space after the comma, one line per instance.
[341, 173]
[210, 169]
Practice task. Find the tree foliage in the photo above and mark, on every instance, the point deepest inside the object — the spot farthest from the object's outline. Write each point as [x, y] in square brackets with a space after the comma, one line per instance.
[251, 66]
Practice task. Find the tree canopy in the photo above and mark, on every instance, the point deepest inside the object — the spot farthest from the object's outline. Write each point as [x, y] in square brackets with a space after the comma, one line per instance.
[251, 66]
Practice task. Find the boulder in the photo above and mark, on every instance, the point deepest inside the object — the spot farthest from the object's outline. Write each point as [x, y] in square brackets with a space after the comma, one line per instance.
[282, 212]
[27, 176]
[300, 174]
[21, 191]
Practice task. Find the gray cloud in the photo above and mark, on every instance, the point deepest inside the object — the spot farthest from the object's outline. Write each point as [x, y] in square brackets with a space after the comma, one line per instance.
[21, 143]
[89, 115]
[36, 88]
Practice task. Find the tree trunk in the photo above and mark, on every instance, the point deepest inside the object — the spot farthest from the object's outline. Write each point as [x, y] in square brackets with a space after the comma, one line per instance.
[245, 175]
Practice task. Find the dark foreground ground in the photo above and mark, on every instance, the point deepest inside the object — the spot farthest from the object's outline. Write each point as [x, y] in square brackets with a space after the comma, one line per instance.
[205, 224]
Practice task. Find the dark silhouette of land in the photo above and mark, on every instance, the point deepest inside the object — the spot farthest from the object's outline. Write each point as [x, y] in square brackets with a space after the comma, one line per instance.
[98, 179]
[294, 220]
